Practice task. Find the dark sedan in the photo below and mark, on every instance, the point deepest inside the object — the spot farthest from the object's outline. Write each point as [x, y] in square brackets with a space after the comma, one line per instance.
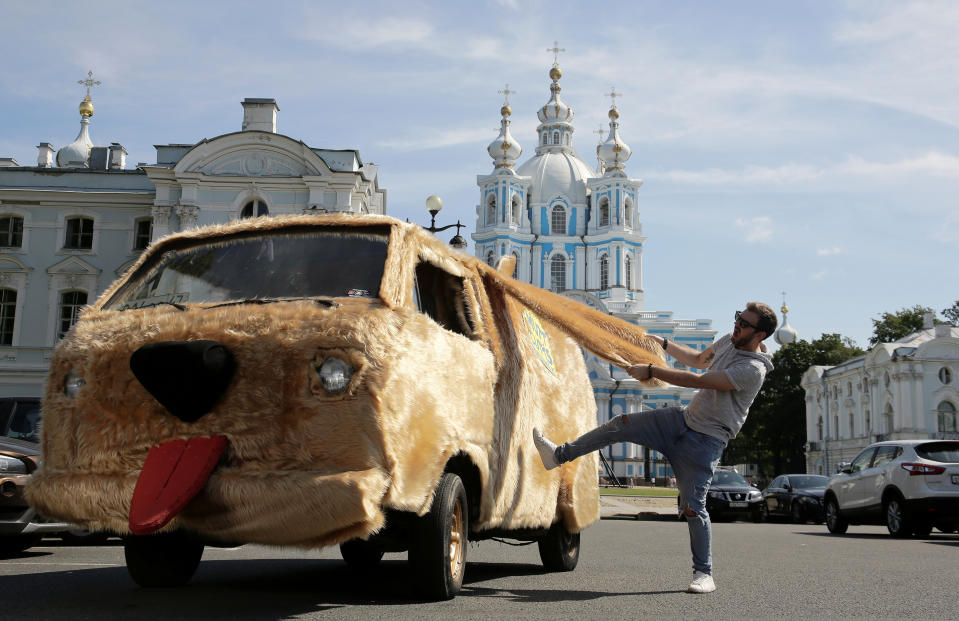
[730, 495]
[798, 497]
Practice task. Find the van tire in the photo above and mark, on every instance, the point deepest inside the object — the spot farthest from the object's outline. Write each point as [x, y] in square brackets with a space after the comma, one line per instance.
[559, 549]
[440, 540]
[360, 554]
[166, 560]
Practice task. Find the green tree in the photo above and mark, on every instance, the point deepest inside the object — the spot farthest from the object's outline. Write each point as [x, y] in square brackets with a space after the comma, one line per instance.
[894, 326]
[775, 431]
[952, 314]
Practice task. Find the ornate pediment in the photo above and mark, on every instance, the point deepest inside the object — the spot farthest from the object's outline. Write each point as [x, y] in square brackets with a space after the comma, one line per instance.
[73, 265]
[256, 164]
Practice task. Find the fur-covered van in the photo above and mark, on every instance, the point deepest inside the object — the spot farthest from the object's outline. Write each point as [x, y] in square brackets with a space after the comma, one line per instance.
[319, 380]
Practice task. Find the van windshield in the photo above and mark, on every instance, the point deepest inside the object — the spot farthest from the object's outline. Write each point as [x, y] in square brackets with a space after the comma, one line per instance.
[319, 262]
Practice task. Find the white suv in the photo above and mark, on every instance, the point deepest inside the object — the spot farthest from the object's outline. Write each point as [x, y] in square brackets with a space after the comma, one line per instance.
[908, 485]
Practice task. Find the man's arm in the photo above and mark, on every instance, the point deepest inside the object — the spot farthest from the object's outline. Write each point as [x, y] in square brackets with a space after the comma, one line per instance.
[687, 355]
[717, 380]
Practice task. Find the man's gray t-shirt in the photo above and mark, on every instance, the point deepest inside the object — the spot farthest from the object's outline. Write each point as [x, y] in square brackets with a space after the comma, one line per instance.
[721, 413]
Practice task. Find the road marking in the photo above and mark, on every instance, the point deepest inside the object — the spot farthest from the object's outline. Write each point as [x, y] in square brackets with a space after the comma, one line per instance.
[67, 564]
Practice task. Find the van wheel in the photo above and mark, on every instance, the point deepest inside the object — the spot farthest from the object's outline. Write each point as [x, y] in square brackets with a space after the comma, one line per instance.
[559, 549]
[836, 524]
[922, 529]
[167, 560]
[439, 540]
[897, 520]
[360, 554]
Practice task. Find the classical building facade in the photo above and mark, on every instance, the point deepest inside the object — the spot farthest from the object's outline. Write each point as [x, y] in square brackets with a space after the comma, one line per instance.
[902, 390]
[577, 231]
[79, 218]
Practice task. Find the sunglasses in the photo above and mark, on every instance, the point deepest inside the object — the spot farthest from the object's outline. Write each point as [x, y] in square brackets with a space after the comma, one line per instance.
[743, 323]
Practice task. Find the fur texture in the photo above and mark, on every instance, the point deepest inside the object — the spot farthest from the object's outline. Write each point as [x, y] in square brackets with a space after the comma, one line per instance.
[307, 468]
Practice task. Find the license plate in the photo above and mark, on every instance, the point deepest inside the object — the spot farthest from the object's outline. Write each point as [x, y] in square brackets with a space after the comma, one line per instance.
[955, 479]
[740, 505]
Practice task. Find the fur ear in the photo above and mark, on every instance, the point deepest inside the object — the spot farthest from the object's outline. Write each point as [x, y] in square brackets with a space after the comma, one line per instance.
[612, 339]
[506, 264]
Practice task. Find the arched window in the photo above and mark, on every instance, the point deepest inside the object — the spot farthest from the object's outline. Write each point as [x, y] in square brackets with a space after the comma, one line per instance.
[557, 273]
[515, 211]
[515, 265]
[628, 210]
[852, 425]
[868, 422]
[629, 272]
[491, 210]
[835, 429]
[79, 234]
[489, 258]
[8, 311]
[604, 211]
[947, 417]
[254, 209]
[11, 231]
[558, 220]
[70, 304]
[604, 272]
[566, 139]
[545, 138]
[889, 420]
[555, 137]
[945, 375]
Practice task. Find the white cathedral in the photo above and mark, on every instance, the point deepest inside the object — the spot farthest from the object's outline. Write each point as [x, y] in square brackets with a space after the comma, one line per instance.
[577, 231]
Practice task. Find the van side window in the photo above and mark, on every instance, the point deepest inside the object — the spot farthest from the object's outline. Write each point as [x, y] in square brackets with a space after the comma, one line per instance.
[440, 295]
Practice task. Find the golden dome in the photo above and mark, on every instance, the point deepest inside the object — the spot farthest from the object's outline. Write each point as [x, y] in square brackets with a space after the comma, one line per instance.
[613, 113]
[86, 107]
[784, 309]
[555, 73]
[506, 111]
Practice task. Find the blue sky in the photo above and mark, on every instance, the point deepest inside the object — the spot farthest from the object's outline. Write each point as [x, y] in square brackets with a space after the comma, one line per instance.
[806, 147]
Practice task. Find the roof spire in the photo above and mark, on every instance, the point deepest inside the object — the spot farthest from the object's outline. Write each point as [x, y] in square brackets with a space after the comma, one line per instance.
[504, 150]
[785, 334]
[613, 152]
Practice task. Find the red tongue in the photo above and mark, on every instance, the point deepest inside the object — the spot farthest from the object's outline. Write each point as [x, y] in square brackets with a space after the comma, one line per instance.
[173, 474]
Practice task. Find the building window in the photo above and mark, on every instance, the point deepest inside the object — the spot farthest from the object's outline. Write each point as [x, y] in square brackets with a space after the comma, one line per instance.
[70, 304]
[545, 138]
[629, 272]
[8, 312]
[515, 265]
[947, 417]
[555, 137]
[945, 375]
[557, 272]
[79, 234]
[489, 258]
[835, 432]
[491, 210]
[852, 425]
[889, 420]
[604, 272]
[254, 209]
[604, 211]
[819, 428]
[11, 231]
[144, 233]
[558, 220]
[516, 209]
[629, 213]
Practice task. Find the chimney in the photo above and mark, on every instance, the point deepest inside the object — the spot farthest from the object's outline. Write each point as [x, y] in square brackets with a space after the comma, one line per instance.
[45, 155]
[927, 320]
[118, 156]
[259, 115]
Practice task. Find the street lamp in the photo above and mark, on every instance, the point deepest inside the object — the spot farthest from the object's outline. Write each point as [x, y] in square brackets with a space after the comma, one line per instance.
[433, 205]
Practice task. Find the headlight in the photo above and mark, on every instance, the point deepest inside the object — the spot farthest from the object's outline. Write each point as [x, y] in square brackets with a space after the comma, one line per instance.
[715, 494]
[335, 375]
[753, 495]
[12, 465]
[73, 384]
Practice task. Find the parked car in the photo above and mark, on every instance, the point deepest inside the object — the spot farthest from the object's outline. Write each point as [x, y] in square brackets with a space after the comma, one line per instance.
[317, 380]
[730, 495]
[795, 496]
[908, 485]
[20, 525]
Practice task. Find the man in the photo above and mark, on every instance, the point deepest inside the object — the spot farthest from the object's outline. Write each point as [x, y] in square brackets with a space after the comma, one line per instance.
[692, 438]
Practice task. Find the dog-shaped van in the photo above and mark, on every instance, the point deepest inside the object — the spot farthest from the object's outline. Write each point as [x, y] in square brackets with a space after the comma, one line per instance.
[319, 380]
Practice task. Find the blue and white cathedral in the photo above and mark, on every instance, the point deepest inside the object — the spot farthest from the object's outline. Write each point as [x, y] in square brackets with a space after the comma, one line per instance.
[576, 231]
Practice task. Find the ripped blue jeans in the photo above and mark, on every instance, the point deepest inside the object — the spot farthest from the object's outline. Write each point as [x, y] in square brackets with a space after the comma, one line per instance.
[693, 455]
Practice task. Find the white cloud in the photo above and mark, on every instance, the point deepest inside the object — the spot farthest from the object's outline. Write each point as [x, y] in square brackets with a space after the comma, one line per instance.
[758, 229]
[434, 139]
[825, 252]
[819, 275]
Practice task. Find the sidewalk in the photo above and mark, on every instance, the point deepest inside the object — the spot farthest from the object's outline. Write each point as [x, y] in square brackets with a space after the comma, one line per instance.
[637, 508]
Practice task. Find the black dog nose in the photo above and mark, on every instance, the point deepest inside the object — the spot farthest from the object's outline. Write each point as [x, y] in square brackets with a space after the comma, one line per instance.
[186, 377]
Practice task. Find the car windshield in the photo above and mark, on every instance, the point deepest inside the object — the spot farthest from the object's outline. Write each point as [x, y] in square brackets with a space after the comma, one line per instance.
[725, 477]
[809, 481]
[21, 420]
[316, 262]
[944, 452]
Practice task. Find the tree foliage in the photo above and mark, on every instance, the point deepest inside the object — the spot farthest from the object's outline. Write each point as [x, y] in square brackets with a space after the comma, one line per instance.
[775, 431]
[952, 314]
[893, 326]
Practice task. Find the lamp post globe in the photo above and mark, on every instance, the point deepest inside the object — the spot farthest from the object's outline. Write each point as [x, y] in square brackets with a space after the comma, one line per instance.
[433, 204]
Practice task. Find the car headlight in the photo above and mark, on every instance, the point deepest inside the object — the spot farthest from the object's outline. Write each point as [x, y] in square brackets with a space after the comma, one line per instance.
[73, 384]
[715, 494]
[12, 465]
[335, 375]
[755, 494]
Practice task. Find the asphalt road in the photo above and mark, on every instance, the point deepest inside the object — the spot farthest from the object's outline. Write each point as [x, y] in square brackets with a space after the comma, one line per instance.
[628, 569]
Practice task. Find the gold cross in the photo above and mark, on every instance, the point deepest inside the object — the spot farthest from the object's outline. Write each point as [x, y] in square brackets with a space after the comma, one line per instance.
[612, 94]
[555, 50]
[506, 92]
[89, 82]
[600, 131]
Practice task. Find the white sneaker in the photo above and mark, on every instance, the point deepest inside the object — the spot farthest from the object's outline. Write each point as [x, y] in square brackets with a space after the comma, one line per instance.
[547, 450]
[702, 583]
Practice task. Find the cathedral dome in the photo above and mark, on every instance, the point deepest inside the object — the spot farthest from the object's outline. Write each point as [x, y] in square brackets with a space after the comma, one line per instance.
[77, 153]
[785, 334]
[553, 174]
